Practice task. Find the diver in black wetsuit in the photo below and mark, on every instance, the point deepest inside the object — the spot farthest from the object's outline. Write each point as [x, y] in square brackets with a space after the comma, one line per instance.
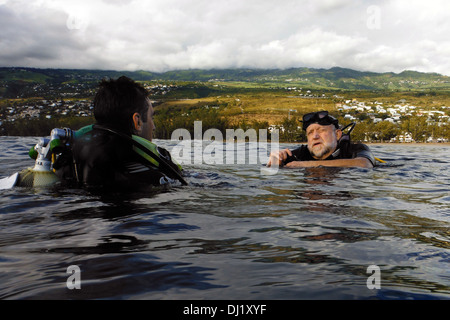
[327, 146]
[109, 154]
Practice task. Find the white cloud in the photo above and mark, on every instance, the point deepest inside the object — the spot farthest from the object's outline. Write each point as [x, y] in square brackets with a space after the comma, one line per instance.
[160, 35]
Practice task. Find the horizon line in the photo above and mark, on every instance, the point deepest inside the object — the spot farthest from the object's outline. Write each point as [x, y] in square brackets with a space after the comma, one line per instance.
[218, 69]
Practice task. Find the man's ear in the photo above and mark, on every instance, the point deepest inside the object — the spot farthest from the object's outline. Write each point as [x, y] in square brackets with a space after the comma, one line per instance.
[338, 134]
[137, 121]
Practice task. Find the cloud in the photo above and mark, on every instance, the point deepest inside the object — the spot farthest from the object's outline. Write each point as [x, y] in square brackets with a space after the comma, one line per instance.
[32, 36]
[159, 35]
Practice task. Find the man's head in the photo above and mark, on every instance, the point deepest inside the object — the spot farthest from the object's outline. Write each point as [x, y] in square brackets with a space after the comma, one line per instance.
[123, 104]
[322, 132]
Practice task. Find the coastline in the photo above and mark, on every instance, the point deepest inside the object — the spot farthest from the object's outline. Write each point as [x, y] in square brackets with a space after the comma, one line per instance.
[408, 143]
[390, 143]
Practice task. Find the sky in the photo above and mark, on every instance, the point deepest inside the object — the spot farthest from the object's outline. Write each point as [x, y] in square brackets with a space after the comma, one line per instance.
[163, 35]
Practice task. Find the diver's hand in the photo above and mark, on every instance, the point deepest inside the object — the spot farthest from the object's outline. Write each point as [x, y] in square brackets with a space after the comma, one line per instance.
[277, 158]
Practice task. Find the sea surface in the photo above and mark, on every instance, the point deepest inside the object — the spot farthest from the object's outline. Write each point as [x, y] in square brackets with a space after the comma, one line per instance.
[235, 233]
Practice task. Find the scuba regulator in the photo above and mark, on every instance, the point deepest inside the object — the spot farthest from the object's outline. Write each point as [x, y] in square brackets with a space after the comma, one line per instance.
[46, 153]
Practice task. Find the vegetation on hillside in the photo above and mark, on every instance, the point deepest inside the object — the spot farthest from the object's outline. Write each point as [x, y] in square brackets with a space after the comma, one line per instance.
[334, 78]
[231, 99]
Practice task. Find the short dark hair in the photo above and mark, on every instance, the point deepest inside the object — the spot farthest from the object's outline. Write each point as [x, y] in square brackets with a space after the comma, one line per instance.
[117, 100]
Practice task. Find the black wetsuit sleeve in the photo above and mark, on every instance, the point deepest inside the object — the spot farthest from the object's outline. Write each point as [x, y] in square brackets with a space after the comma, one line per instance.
[296, 153]
[362, 151]
[299, 154]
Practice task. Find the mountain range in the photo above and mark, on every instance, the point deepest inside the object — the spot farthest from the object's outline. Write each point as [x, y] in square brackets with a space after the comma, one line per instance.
[334, 78]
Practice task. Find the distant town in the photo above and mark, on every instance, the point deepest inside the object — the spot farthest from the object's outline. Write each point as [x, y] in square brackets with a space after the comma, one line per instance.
[74, 100]
[380, 120]
[377, 112]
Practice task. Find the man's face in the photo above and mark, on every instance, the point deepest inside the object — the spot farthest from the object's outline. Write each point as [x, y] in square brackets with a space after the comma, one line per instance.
[148, 126]
[322, 140]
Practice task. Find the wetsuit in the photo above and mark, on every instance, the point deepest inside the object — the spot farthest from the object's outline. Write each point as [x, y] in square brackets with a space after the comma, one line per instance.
[102, 159]
[345, 150]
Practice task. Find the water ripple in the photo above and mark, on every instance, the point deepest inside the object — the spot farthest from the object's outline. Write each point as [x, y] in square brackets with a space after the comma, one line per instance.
[235, 234]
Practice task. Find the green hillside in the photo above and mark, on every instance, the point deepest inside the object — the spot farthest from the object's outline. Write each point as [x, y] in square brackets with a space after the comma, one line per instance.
[334, 78]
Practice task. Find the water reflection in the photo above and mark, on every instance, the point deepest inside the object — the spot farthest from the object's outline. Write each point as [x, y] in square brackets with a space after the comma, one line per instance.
[121, 276]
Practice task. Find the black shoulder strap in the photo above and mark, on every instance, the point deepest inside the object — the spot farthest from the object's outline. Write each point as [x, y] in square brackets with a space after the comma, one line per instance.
[165, 167]
[346, 135]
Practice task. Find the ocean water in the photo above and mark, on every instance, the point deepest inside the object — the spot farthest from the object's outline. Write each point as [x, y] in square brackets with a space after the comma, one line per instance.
[234, 233]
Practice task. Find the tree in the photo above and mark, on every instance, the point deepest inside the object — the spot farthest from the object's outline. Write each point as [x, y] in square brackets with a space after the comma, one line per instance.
[361, 130]
[291, 131]
[439, 130]
[386, 130]
[418, 128]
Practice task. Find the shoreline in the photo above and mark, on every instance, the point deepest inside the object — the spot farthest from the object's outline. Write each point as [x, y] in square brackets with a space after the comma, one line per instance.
[390, 143]
[409, 143]
[287, 142]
